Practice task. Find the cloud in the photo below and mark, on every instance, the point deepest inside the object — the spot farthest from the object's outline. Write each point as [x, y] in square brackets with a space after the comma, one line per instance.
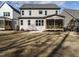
[59, 3]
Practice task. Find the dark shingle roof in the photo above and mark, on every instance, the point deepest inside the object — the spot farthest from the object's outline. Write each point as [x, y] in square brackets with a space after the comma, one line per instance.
[13, 8]
[73, 13]
[38, 6]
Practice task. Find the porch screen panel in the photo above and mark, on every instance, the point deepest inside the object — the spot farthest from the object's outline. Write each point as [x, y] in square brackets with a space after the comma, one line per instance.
[50, 23]
[58, 23]
[1, 24]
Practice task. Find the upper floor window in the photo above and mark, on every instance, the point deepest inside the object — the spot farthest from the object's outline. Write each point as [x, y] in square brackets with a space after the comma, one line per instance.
[56, 12]
[29, 12]
[29, 22]
[22, 12]
[40, 12]
[21, 22]
[45, 12]
[6, 13]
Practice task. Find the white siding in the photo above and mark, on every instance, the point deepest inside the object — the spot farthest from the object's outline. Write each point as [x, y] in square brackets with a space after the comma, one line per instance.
[67, 19]
[6, 8]
[33, 26]
[15, 19]
[15, 15]
[35, 13]
[55, 17]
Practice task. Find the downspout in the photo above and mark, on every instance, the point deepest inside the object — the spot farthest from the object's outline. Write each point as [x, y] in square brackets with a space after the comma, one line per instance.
[70, 14]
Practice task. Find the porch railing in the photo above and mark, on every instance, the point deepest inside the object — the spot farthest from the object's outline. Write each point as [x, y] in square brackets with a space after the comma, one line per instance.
[54, 26]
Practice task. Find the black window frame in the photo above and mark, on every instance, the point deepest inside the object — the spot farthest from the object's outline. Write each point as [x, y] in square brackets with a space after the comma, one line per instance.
[29, 22]
[56, 12]
[30, 12]
[21, 22]
[45, 12]
[40, 12]
[22, 12]
[42, 22]
[37, 21]
[6, 13]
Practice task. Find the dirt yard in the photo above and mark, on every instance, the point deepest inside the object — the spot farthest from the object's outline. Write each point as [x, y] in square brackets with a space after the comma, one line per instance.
[28, 44]
[70, 47]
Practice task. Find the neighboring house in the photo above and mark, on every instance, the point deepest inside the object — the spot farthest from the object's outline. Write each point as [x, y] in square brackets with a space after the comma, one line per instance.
[8, 17]
[71, 21]
[40, 17]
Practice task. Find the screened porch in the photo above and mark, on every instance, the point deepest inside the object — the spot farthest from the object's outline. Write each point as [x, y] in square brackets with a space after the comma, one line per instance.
[5, 23]
[55, 22]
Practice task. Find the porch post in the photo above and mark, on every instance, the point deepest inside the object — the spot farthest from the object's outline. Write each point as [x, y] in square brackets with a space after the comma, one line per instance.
[45, 23]
[54, 23]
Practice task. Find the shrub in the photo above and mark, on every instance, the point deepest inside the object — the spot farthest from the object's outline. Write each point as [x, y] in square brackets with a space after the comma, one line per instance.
[17, 28]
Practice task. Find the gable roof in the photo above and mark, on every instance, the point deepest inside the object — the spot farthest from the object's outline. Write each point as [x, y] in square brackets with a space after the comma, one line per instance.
[39, 6]
[73, 13]
[11, 7]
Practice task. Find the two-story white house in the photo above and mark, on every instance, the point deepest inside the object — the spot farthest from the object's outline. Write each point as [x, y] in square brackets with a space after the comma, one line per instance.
[8, 17]
[40, 17]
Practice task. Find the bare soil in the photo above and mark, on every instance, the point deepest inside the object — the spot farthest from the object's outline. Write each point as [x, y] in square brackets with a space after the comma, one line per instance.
[25, 44]
[70, 48]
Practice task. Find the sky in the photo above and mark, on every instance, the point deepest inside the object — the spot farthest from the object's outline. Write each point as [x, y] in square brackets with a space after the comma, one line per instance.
[61, 4]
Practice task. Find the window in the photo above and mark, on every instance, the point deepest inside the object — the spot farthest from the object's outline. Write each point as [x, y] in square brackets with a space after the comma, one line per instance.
[29, 22]
[56, 12]
[22, 12]
[6, 13]
[42, 22]
[29, 12]
[21, 22]
[39, 22]
[45, 12]
[40, 12]
[36, 22]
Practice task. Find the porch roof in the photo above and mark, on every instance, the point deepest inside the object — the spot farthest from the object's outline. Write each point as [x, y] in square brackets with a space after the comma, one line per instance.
[5, 18]
[55, 16]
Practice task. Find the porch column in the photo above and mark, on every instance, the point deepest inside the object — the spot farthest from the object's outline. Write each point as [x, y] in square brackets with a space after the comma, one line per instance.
[54, 23]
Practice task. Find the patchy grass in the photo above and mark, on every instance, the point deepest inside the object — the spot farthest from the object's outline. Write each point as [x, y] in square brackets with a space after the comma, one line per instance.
[70, 48]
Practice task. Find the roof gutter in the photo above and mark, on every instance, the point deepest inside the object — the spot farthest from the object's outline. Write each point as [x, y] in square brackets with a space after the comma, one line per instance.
[69, 14]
